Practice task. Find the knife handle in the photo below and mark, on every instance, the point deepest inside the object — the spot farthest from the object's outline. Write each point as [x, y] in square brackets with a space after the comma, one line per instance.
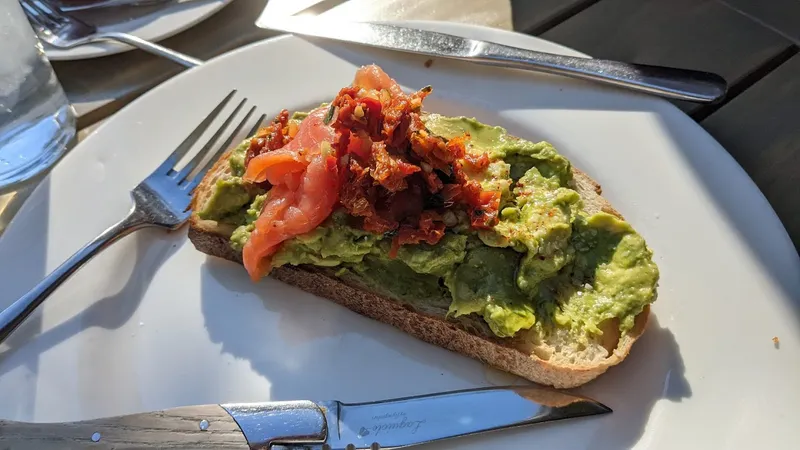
[669, 82]
[177, 428]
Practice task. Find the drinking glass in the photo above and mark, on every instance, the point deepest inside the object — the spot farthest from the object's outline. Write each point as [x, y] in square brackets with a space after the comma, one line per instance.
[37, 122]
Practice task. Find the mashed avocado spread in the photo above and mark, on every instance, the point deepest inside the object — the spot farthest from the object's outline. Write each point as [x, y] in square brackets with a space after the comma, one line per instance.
[545, 264]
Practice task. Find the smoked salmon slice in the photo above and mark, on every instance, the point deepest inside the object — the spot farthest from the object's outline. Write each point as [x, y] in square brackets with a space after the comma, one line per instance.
[274, 166]
[305, 189]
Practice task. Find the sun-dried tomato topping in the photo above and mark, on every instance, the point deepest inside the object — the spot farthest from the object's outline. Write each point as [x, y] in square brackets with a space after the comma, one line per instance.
[405, 206]
[354, 194]
[484, 214]
[272, 137]
[484, 204]
[359, 196]
[363, 113]
[477, 163]
[396, 177]
[430, 229]
[341, 144]
[434, 150]
[396, 120]
[435, 184]
[397, 130]
[388, 170]
[360, 145]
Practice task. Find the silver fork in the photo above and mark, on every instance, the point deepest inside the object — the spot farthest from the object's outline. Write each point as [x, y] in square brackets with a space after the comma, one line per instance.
[101, 4]
[160, 200]
[65, 31]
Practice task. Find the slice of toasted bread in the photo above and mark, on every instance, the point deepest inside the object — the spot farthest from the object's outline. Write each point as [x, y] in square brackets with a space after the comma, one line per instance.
[558, 361]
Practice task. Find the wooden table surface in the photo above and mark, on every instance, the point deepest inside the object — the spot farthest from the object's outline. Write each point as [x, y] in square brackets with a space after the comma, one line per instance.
[752, 43]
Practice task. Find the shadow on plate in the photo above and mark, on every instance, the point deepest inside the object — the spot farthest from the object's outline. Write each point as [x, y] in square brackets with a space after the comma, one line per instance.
[111, 312]
[653, 371]
[29, 261]
[302, 344]
[272, 330]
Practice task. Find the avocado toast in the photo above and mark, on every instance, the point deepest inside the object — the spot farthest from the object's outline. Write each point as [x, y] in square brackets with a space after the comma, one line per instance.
[451, 230]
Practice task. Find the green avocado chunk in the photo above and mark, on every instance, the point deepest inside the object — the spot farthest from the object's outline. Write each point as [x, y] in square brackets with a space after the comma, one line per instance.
[415, 276]
[236, 158]
[613, 275]
[393, 278]
[439, 259]
[520, 155]
[330, 244]
[242, 233]
[546, 264]
[538, 220]
[543, 227]
[484, 284]
[230, 194]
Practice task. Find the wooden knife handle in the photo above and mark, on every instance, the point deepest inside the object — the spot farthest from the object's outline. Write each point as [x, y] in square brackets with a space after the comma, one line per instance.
[178, 428]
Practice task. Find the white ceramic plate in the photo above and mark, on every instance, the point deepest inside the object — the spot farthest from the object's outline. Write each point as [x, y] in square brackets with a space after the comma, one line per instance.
[150, 23]
[151, 323]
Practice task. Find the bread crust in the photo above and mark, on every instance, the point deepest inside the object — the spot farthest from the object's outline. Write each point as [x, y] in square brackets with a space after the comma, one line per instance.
[502, 354]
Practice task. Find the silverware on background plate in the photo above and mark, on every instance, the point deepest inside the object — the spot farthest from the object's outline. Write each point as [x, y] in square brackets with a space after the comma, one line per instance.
[681, 84]
[64, 31]
[85, 5]
[306, 425]
[160, 200]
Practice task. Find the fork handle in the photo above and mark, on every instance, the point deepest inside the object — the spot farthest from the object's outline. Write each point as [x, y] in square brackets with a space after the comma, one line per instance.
[158, 50]
[13, 316]
[668, 82]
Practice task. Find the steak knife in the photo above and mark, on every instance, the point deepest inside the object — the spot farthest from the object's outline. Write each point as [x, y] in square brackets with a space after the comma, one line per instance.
[307, 425]
[668, 82]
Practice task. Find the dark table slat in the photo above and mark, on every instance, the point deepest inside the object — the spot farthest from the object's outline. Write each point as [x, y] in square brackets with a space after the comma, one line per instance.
[697, 34]
[536, 16]
[783, 16]
[761, 129]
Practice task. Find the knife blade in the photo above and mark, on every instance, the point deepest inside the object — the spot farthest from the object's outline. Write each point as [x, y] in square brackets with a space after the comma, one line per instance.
[668, 82]
[307, 425]
[416, 420]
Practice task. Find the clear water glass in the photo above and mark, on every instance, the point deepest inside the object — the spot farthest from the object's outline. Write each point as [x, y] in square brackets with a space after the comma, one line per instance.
[37, 122]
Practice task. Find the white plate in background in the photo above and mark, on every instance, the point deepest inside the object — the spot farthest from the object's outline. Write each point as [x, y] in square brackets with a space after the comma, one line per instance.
[152, 23]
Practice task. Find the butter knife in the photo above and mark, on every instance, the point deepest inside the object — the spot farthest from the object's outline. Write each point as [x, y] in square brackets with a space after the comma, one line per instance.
[668, 82]
[307, 425]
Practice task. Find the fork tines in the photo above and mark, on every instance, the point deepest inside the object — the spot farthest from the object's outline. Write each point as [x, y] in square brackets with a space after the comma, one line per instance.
[42, 13]
[189, 175]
